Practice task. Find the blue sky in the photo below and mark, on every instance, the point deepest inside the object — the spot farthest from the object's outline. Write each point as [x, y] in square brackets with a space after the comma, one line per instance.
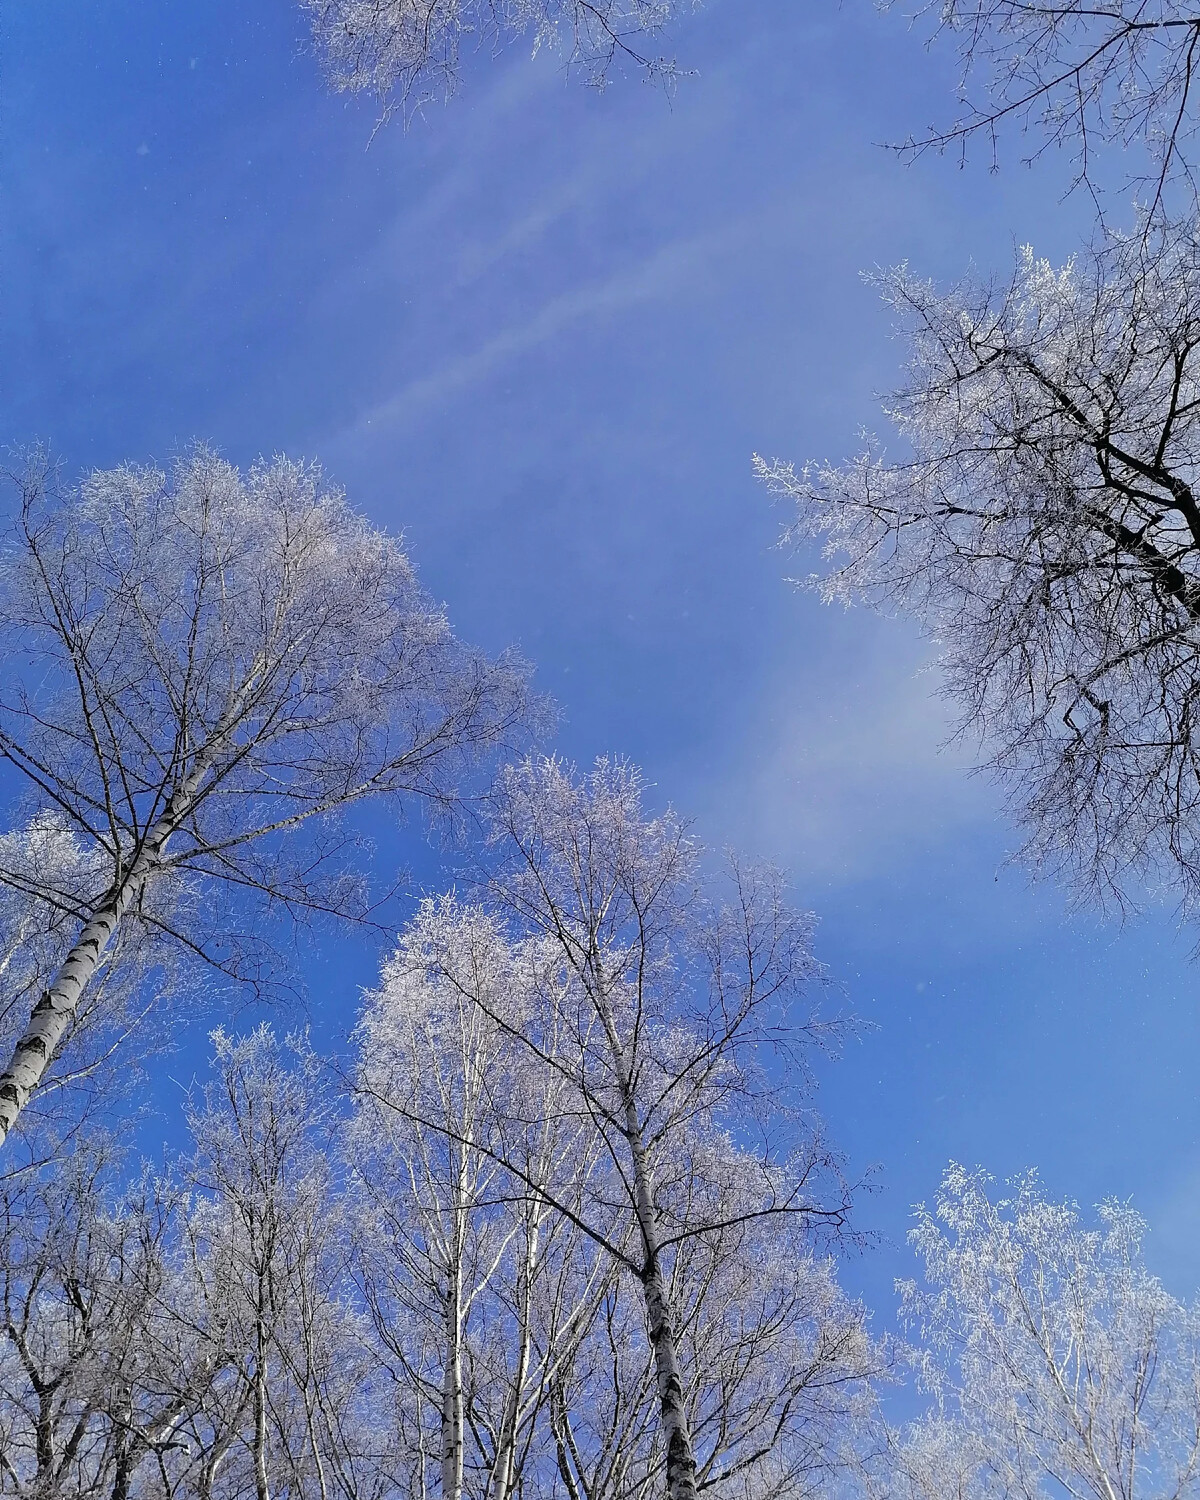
[542, 332]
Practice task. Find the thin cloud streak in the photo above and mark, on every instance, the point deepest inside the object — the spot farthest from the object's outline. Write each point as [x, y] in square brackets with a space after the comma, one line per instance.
[670, 271]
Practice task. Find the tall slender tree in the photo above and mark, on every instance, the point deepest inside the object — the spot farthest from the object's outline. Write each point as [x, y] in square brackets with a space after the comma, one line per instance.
[654, 1009]
[205, 670]
[84, 1270]
[49, 871]
[264, 1304]
[479, 1290]
[1058, 1363]
[647, 1007]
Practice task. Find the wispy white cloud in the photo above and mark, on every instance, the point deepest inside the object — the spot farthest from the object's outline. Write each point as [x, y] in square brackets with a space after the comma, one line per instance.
[473, 153]
[672, 270]
[846, 773]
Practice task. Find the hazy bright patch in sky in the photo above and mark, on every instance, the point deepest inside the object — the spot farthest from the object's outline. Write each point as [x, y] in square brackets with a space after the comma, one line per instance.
[542, 332]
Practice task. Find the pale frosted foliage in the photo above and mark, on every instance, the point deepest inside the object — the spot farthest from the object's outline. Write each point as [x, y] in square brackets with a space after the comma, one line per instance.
[1058, 1360]
[618, 895]
[1046, 532]
[276, 1366]
[478, 1291]
[656, 994]
[407, 51]
[504, 1256]
[775, 1360]
[84, 1280]
[423, 1035]
[197, 1339]
[217, 665]
[163, 612]
[936, 1458]
[424, 1314]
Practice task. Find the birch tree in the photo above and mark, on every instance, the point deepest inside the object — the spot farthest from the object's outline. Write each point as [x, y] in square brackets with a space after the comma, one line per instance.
[1043, 528]
[648, 1005]
[654, 1010]
[661, 998]
[216, 667]
[479, 1292]
[83, 1271]
[406, 52]
[433, 1194]
[776, 1362]
[281, 1405]
[1059, 1364]
[48, 875]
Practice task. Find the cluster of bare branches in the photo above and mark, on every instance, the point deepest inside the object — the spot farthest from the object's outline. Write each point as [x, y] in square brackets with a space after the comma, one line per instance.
[571, 1070]
[389, 1306]
[1078, 76]
[1057, 1362]
[1046, 531]
[190, 1335]
[405, 53]
[566, 1241]
[442, 1294]
[207, 670]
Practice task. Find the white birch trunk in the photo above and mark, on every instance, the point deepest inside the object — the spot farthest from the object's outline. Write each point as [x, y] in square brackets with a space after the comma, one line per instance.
[677, 1434]
[54, 1012]
[452, 1392]
[262, 1489]
[681, 1460]
[506, 1446]
[452, 1398]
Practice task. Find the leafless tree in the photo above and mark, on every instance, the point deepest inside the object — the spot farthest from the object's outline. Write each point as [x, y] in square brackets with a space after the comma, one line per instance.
[214, 667]
[776, 1362]
[647, 1006]
[407, 52]
[273, 1361]
[479, 1292]
[1078, 75]
[1057, 1363]
[207, 1335]
[51, 871]
[83, 1272]
[1046, 532]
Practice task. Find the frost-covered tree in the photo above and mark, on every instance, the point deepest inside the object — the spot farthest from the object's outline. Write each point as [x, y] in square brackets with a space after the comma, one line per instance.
[645, 1005]
[286, 1402]
[84, 1269]
[203, 671]
[774, 1360]
[405, 52]
[479, 1291]
[1059, 1364]
[1042, 522]
[653, 1010]
[394, 1309]
[48, 874]
[198, 1337]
